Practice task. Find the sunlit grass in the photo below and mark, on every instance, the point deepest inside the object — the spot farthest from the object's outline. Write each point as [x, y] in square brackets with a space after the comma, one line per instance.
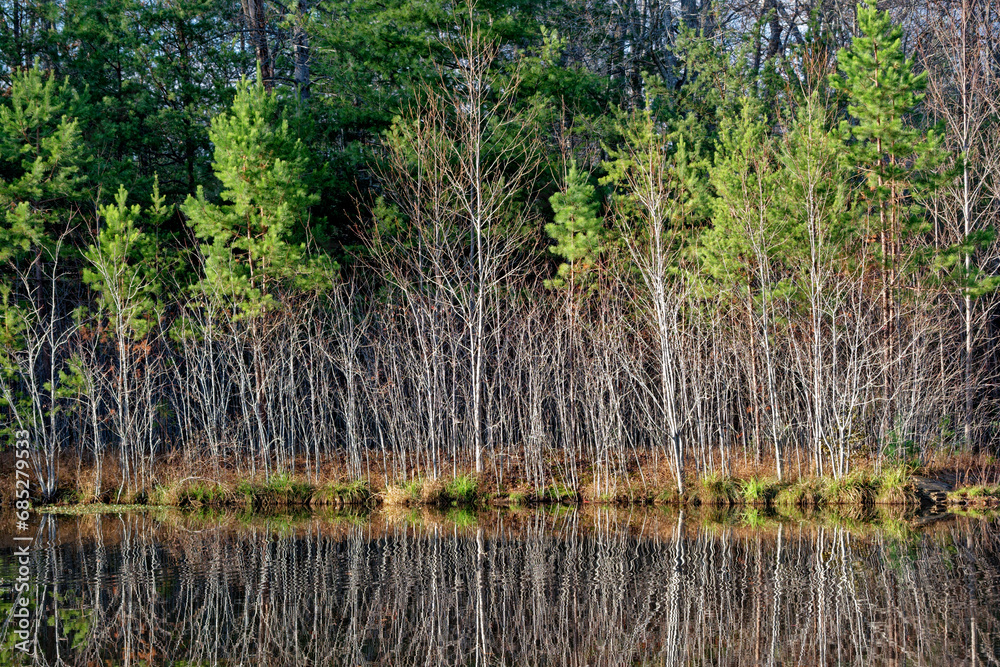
[717, 489]
[462, 490]
[759, 491]
[895, 487]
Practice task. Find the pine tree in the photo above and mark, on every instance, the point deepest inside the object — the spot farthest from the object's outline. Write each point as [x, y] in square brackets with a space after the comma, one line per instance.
[40, 193]
[122, 270]
[249, 249]
[813, 180]
[40, 157]
[742, 177]
[896, 158]
[813, 192]
[746, 245]
[657, 192]
[577, 229]
[150, 75]
[123, 277]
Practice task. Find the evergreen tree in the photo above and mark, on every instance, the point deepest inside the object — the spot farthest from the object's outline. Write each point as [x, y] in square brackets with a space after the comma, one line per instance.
[123, 268]
[40, 193]
[155, 74]
[813, 188]
[745, 231]
[656, 193]
[813, 192]
[123, 276]
[40, 157]
[576, 229]
[568, 105]
[375, 60]
[745, 247]
[896, 158]
[249, 246]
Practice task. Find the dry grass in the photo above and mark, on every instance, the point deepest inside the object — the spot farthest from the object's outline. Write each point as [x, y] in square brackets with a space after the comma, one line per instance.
[401, 495]
[432, 492]
[806, 492]
[181, 482]
[717, 490]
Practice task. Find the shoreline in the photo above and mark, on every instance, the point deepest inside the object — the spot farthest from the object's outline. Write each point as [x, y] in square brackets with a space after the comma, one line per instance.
[652, 522]
[892, 487]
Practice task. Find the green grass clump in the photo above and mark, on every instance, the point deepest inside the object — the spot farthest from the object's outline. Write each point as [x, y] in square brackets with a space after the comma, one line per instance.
[158, 496]
[858, 488]
[558, 493]
[895, 487]
[458, 491]
[520, 497]
[247, 492]
[342, 493]
[715, 489]
[803, 493]
[283, 489]
[414, 488]
[279, 489]
[69, 497]
[667, 496]
[462, 490]
[976, 493]
[196, 494]
[758, 491]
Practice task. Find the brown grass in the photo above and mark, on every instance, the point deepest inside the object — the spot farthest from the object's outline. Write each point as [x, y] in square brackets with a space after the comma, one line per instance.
[178, 480]
[396, 496]
[432, 491]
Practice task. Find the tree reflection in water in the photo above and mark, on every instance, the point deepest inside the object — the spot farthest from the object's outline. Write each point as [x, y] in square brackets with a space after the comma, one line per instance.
[589, 587]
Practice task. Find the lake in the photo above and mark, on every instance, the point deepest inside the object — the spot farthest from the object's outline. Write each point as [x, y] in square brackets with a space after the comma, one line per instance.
[552, 586]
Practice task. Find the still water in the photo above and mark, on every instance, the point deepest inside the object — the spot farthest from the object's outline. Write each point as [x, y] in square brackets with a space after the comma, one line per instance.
[547, 587]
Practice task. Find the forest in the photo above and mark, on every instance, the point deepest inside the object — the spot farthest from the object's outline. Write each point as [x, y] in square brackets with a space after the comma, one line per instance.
[551, 247]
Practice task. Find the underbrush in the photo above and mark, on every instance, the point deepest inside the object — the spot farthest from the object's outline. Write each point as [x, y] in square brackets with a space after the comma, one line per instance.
[460, 491]
[976, 495]
[342, 493]
[759, 492]
[717, 490]
[183, 485]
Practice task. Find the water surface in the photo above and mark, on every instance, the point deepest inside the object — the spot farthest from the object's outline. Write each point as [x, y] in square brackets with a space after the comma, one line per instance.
[545, 587]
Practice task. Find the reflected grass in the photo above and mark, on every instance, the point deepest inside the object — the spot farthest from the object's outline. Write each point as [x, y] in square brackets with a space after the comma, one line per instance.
[648, 522]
